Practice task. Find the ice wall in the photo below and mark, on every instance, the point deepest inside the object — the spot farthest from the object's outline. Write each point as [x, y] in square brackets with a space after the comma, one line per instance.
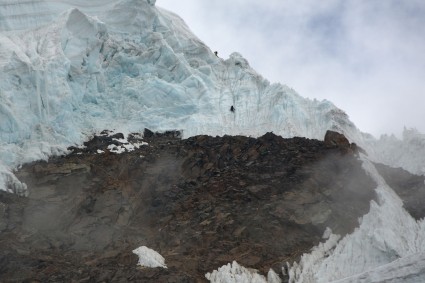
[18, 15]
[71, 68]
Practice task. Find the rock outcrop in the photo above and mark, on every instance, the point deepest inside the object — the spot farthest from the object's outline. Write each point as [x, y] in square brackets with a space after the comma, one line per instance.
[335, 139]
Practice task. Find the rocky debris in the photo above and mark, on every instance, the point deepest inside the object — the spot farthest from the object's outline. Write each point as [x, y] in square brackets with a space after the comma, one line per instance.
[148, 134]
[201, 203]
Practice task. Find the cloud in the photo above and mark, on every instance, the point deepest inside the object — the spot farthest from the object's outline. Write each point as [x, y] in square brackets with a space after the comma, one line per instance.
[365, 56]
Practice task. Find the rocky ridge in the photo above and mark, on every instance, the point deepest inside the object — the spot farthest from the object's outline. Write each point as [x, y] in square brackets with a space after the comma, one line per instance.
[200, 202]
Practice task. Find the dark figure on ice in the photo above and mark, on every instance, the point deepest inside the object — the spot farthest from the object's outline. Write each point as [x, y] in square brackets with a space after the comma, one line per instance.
[232, 108]
[216, 53]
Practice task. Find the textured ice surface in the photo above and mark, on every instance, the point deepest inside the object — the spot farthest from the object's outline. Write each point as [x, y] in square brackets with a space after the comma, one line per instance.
[409, 269]
[388, 238]
[29, 14]
[408, 153]
[235, 273]
[149, 257]
[70, 69]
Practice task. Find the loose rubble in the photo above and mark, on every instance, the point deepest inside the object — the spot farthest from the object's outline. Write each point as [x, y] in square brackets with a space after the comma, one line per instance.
[201, 202]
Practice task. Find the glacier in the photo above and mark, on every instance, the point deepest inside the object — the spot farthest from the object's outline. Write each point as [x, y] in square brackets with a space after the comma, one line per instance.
[128, 65]
[72, 68]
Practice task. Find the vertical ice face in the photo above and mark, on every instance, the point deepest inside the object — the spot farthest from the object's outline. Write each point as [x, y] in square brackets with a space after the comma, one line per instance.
[131, 17]
[20, 15]
[87, 66]
[81, 38]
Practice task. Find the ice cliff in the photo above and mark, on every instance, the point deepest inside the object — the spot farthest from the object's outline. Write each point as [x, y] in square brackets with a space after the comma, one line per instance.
[72, 68]
[69, 69]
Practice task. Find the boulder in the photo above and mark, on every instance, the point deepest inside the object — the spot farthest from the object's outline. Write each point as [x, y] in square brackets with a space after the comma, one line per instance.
[333, 139]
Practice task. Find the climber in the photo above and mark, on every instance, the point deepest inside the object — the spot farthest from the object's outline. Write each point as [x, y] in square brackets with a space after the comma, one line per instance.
[216, 53]
[232, 109]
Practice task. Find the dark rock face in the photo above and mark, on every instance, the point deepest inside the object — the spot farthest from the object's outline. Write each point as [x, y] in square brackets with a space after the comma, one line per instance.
[410, 188]
[335, 139]
[200, 202]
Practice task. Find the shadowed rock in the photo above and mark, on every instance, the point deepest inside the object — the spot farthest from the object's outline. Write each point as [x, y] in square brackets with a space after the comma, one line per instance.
[335, 139]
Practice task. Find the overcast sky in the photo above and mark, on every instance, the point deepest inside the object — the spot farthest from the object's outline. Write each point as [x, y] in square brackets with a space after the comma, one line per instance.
[366, 56]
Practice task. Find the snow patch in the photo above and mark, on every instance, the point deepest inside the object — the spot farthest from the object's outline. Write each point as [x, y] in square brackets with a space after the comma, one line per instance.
[125, 146]
[118, 149]
[149, 257]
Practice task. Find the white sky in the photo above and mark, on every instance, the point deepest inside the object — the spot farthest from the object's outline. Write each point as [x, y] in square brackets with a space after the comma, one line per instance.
[366, 56]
